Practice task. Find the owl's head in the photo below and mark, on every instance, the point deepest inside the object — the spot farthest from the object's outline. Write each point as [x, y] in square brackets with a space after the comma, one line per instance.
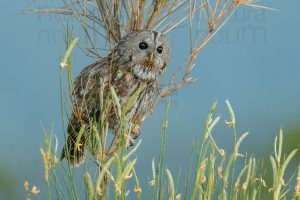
[146, 53]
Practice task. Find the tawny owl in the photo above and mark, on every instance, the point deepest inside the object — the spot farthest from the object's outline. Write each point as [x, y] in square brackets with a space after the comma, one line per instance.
[137, 61]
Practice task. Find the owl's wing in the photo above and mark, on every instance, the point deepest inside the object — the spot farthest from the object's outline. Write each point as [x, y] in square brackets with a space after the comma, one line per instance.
[85, 92]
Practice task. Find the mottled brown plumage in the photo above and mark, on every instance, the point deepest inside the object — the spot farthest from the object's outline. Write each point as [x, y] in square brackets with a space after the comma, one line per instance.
[134, 64]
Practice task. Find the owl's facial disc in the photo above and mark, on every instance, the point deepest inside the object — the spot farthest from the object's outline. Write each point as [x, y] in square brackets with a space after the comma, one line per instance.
[146, 53]
[150, 65]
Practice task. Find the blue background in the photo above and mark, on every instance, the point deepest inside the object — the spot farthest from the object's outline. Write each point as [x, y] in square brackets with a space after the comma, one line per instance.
[259, 72]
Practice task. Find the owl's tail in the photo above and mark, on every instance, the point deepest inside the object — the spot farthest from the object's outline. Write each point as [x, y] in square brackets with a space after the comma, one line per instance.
[74, 149]
[74, 153]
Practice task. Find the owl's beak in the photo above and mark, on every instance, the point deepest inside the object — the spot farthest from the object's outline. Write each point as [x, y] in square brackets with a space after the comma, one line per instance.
[151, 55]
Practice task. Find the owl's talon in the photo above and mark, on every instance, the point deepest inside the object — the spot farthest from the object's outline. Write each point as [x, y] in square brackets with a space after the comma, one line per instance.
[131, 142]
[136, 132]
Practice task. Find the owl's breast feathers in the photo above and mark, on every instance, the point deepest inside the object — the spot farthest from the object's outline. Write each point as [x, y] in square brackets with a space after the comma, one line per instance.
[87, 88]
[127, 86]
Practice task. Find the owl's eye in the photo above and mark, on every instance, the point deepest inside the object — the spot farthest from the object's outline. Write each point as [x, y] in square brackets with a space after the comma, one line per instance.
[143, 45]
[159, 49]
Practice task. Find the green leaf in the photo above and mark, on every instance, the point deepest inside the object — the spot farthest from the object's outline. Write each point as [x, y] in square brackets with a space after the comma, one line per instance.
[104, 170]
[286, 162]
[275, 171]
[89, 185]
[171, 194]
[127, 170]
[67, 55]
[130, 101]
[132, 151]
[116, 101]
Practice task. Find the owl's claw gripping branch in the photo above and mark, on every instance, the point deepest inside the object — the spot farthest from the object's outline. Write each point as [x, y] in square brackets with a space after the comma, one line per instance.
[131, 142]
[135, 133]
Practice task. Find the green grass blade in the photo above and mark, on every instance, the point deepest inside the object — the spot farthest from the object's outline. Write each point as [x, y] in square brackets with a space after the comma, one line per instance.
[68, 53]
[171, 194]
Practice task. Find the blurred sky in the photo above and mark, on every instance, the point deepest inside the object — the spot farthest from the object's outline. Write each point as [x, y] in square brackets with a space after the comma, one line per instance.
[254, 62]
